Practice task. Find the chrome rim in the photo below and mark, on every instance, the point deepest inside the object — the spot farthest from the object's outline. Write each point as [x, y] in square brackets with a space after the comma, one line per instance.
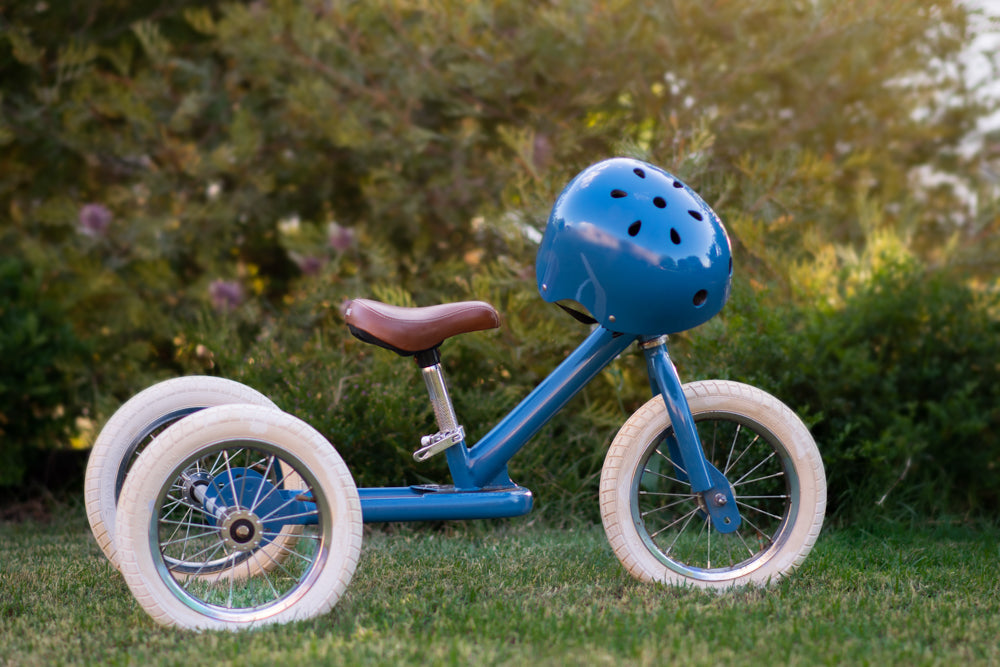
[672, 520]
[221, 562]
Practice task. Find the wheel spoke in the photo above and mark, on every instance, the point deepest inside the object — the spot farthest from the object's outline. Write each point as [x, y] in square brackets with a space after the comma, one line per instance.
[708, 541]
[306, 558]
[300, 515]
[732, 448]
[780, 473]
[745, 450]
[267, 472]
[283, 505]
[666, 494]
[754, 469]
[183, 540]
[662, 476]
[229, 599]
[750, 552]
[757, 509]
[179, 524]
[760, 533]
[671, 462]
[686, 518]
[210, 551]
[270, 492]
[664, 507]
[264, 570]
[183, 522]
[292, 552]
[229, 474]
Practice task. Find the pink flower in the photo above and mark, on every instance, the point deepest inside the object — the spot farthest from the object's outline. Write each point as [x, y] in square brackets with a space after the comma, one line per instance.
[340, 238]
[94, 219]
[226, 295]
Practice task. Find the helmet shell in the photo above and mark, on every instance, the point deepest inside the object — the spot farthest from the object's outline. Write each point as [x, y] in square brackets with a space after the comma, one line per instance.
[637, 248]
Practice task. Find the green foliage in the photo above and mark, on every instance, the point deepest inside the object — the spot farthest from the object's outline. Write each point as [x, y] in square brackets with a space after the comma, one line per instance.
[200, 186]
[38, 352]
[899, 382]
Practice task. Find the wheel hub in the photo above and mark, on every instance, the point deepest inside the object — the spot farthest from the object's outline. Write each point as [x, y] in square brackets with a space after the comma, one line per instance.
[713, 498]
[194, 480]
[242, 530]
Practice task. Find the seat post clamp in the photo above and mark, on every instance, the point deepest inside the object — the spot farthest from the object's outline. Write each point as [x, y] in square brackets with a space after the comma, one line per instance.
[433, 444]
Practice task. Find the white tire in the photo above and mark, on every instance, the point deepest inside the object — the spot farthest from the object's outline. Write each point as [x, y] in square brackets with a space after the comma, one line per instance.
[659, 530]
[238, 453]
[133, 426]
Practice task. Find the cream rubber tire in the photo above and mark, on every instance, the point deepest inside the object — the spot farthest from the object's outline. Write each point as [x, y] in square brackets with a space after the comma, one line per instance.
[133, 426]
[158, 516]
[661, 532]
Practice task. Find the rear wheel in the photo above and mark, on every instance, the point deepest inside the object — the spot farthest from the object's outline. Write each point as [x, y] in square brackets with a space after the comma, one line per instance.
[206, 501]
[133, 426]
[660, 530]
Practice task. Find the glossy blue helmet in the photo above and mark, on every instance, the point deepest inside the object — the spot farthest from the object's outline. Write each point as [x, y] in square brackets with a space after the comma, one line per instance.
[638, 249]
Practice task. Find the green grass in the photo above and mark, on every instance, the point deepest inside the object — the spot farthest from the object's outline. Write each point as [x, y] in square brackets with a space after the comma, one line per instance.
[517, 593]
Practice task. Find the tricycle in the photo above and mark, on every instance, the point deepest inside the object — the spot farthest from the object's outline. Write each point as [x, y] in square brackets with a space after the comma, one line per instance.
[223, 512]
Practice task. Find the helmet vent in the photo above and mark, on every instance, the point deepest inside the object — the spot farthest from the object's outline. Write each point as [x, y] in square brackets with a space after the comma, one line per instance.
[696, 215]
[618, 194]
[678, 184]
[674, 236]
[700, 297]
[639, 172]
[659, 202]
[633, 229]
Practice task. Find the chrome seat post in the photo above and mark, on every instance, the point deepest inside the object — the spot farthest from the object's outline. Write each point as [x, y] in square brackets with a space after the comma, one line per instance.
[450, 432]
[437, 390]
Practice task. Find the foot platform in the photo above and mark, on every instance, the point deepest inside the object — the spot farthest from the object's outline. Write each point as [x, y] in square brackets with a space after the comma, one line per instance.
[437, 503]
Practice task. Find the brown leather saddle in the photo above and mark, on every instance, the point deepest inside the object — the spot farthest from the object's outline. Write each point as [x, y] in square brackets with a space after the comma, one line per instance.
[411, 331]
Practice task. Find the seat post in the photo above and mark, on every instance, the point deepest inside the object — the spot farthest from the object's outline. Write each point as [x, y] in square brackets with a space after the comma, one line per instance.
[437, 390]
[450, 432]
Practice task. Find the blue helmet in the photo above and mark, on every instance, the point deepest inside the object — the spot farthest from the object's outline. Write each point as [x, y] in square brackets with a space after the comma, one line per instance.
[638, 249]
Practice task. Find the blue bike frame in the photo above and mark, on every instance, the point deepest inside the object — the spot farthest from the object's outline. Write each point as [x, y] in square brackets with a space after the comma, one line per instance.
[482, 487]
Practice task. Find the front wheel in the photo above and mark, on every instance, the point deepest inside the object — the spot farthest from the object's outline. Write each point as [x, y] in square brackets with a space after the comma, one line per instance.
[660, 530]
[207, 501]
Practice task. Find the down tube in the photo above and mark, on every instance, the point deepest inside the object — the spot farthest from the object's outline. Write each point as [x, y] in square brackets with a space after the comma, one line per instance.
[488, 457]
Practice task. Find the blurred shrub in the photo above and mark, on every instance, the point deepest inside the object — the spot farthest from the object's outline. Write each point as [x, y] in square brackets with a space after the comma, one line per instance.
[899, 381]
[38, 354]
[200, 186]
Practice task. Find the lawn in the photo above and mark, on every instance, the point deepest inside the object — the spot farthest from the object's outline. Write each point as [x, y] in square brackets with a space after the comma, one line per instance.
[520, 592]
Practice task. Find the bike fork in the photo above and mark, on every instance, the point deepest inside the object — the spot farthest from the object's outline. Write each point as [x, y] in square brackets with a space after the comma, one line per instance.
[706, 480]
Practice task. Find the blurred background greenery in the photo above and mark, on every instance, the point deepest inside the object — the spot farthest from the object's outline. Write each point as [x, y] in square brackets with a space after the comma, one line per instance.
[196, 187]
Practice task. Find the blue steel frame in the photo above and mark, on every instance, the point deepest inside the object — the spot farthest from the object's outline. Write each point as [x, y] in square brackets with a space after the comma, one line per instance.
[483, 488]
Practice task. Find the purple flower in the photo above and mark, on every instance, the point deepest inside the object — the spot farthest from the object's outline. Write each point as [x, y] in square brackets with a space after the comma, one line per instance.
[542, 152]
[225, 294]
[94, 219]
[340, 238]
[309, 265]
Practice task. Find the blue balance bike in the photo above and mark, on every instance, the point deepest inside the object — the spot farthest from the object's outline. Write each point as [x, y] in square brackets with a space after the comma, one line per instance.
[223, 512]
